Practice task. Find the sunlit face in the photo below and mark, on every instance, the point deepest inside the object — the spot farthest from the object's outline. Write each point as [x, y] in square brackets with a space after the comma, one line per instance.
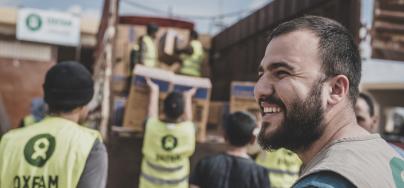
[289, 91]
[363, 115]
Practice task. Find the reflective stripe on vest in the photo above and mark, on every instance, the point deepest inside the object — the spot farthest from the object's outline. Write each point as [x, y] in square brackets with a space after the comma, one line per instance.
[283, 166]
[278, 171]
[51, 153]
[166, 151]
[162, 168]
[191, 64]
[159, 181]
[150, 52]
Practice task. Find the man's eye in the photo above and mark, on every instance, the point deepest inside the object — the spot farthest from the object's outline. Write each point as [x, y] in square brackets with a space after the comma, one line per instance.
[281, 74]
[260, 75]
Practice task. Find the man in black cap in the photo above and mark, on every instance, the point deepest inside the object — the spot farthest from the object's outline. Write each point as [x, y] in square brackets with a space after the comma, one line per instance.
[57, 151]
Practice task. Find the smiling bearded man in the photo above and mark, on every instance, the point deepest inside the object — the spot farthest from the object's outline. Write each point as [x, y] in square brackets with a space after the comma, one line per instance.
[303, 123]
[308, 82]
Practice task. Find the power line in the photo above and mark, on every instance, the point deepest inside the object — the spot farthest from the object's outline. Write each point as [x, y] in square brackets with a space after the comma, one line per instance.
[144, 7]
[201, 17]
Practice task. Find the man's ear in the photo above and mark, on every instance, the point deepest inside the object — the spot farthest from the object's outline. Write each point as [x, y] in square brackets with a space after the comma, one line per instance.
[253, 140]
[339, 88]
[375, 124]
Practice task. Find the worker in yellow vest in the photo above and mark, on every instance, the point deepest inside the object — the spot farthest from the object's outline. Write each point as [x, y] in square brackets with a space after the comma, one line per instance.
[148, 54]
[192, 57]
[168, 143]
[57, 151]
[283, 166]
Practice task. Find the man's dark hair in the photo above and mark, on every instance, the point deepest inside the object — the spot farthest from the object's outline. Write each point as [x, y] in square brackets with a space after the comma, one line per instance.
[174, 105]
[239, 127]
[152, 28]
[369, 102]
[194, 34]
[337, 49]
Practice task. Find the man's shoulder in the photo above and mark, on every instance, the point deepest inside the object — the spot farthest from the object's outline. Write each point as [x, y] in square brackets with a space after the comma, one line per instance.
[324, 179]
[223, 158]
[212, 158]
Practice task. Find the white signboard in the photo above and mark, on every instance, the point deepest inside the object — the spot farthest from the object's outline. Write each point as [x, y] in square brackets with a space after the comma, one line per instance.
[48, 27]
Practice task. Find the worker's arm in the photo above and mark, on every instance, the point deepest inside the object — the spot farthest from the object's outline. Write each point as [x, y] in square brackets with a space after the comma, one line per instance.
[96, 169]
[175, 67]
[188, 103]
[142, 50]
[187, 50]
[154, 99]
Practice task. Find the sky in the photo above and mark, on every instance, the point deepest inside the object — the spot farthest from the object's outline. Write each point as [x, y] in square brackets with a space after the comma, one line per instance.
[200, 12]
[204, 13]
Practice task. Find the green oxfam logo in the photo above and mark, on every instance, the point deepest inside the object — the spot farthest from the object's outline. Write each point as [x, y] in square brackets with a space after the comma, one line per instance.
[397, 169]
[33, 22]
[39, 149]
[169, 142]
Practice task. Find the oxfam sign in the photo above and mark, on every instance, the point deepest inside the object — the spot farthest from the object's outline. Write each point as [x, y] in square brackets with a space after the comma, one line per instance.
[33, 22]
[50, 27]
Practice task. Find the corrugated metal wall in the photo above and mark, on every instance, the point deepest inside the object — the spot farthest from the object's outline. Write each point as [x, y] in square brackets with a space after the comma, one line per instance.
[237, 51]
[388, 30]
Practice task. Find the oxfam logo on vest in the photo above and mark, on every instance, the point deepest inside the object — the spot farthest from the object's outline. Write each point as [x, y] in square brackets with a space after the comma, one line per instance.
[39, 149]
[33, 22]
[169, 142]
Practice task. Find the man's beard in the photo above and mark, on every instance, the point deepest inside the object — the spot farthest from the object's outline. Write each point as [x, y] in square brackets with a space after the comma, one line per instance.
[302, 125]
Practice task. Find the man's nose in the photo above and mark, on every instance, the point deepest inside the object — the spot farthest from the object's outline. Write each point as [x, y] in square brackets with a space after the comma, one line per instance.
[263, 87]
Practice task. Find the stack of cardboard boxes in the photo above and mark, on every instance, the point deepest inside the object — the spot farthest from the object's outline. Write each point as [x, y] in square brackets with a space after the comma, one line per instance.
[242, 98]
[138, 100]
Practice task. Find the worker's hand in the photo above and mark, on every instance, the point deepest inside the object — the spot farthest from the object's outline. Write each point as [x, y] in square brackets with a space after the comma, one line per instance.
[190, 93]
[153, 86]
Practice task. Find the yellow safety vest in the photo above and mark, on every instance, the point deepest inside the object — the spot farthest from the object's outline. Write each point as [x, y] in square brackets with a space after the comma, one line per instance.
[52, 153]
[149, 52]
[166, 151]
[283, 166]
[191, 64]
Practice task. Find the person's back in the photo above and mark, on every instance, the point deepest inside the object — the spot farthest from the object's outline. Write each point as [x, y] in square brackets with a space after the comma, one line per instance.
[168, 143]
[229, 171]
[40, 149]
[57, 152]
[233, 169]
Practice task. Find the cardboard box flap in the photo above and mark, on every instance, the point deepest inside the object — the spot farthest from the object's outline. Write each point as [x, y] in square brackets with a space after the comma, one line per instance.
[192, 81]
[161, 77]
[161, 74]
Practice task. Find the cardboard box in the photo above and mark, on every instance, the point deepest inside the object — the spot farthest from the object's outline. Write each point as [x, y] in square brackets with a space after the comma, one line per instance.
[138, 100]
[200, 101]
[242, 98]
[217, 110]
[137, 106]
